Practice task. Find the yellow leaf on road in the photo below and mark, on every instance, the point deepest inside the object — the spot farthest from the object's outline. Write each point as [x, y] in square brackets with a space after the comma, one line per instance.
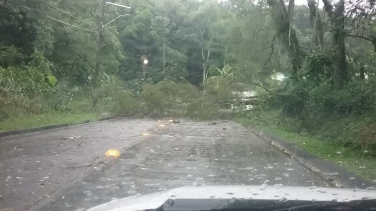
[112, 153]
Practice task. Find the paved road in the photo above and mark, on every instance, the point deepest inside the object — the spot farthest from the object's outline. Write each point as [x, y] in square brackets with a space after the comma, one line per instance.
[155, 155]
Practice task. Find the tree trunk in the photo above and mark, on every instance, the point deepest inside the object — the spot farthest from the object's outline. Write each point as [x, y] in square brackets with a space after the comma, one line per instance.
[205, 60]
[164, 60]
[282, 21]
[203, 66]
[340, 75]
[97, 60]
[337, 17]
[316, 23]
[362, 74]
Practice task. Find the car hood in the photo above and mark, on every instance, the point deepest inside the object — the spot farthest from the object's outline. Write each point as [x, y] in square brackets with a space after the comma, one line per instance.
[276, 193]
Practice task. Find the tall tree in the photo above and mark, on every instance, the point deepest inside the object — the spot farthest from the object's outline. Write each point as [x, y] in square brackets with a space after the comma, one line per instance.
[16, 28]
[282, 18]
[316, 23]
[337, 17]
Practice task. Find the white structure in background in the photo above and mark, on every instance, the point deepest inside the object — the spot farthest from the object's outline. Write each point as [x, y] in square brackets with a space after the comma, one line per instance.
[365, 75]
[246, 98]
[278, 76]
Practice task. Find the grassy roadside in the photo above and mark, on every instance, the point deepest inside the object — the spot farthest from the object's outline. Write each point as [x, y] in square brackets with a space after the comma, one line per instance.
[45, 119]
[353, 160]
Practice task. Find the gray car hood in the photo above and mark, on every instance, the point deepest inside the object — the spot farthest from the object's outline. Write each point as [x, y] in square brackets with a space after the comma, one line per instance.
[263, 192]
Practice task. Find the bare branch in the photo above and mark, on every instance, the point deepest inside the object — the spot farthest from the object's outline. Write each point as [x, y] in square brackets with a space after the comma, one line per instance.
[372, 40]
[272, 52]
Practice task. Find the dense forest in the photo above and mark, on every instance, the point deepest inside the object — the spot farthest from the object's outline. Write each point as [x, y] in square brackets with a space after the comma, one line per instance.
[312, 66]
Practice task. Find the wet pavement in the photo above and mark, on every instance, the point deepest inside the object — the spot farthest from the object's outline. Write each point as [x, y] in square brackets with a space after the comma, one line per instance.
[67, 169]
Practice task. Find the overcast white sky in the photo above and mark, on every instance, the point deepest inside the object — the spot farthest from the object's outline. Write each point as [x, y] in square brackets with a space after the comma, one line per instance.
[297, 2]
[300, 2]
[304, 2]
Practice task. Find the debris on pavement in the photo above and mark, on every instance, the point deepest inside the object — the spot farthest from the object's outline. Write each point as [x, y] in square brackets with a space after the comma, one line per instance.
[112, 153]
[52, 151]
[70, 137]
[178, 148]
[213, 123]
[176, 121]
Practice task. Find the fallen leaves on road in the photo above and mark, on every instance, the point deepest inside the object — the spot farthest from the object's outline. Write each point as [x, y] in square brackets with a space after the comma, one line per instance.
[112, 153]
[75, 137]
[71, 137]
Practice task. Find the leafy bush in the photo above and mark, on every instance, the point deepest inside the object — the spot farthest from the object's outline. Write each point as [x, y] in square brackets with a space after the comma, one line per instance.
[220, 88]
[343, 114]
[10, 56]
[127, 104]
[135, 86]
[355, 98]
[29, 81]
[168, 98]
[292, 100]
[203, 109]
[318, 65]
[59, 97]
[368, 136]
[21, 90]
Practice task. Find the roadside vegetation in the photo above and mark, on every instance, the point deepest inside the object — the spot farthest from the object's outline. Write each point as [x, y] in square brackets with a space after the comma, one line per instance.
[312, 70]
[360, 162]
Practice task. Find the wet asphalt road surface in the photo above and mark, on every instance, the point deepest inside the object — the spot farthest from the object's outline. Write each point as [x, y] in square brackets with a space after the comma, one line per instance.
[66, 169]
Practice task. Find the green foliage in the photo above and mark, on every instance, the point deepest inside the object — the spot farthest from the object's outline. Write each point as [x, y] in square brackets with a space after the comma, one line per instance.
[52, 80]
[58, 98]
[203, 109]
[355, 98]
[318, 65]
[29, 81]
[221, 89]
[16, 28]
[48, 65]
[334, 150]
[167, 97]
[20, 90]
[40, 62]
[128, 104]
[10, 56]
[26, 121]
[336, 114]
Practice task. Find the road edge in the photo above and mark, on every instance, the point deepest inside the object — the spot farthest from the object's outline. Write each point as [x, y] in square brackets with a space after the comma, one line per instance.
[50, 127]
[56, 193]
[333, 173]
